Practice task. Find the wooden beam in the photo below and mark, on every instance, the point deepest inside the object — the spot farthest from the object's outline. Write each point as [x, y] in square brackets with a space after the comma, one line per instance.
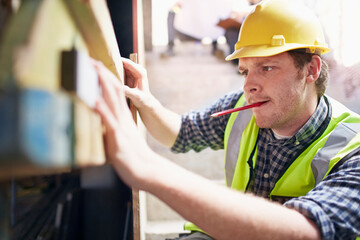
[135, 193]
[93, 20]
[31, 58]
[88, 141]
[32, 44]
[36, 35]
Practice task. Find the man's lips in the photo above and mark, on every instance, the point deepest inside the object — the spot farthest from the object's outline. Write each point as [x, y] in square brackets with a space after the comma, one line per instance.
[258, 104]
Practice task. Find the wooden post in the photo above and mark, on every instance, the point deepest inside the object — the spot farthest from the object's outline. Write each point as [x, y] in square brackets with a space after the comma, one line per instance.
[135, 193]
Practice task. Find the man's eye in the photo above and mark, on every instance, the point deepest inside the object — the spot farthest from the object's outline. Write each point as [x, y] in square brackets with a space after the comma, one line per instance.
[243, 73]
[267, 68]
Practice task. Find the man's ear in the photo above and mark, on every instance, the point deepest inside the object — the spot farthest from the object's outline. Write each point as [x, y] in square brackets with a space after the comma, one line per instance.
[314, 68]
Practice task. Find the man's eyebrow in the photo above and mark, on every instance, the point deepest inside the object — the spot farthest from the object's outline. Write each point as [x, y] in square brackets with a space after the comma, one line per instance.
[241, 68]
[259, 64]
[266, 62]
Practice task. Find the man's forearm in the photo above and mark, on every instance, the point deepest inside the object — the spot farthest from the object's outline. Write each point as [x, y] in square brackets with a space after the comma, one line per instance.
[163, 124]
[224, 213]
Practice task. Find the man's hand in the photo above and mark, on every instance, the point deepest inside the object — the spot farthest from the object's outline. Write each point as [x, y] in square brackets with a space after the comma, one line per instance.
[161, 123]
[125, 147]
[138, 86]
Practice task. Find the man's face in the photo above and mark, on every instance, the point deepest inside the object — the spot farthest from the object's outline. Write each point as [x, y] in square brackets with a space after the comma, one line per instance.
[277, 82]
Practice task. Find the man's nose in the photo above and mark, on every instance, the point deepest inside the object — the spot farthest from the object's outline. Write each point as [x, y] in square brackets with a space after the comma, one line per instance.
[252, 84]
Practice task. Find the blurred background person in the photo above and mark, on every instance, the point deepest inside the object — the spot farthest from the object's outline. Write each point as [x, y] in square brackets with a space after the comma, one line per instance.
[195, 20]
[233, 22]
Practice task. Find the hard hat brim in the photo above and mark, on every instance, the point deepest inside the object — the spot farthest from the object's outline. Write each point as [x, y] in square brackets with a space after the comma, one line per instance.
[268, 50]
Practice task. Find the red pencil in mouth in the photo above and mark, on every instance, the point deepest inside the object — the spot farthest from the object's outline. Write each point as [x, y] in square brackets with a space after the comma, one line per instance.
[237, 109]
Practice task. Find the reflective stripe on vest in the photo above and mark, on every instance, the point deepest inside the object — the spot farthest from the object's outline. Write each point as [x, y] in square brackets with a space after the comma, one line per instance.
[337, 140]
[232, 153]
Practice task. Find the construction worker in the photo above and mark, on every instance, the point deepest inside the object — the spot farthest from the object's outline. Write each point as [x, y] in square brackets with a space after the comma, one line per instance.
[292, 163]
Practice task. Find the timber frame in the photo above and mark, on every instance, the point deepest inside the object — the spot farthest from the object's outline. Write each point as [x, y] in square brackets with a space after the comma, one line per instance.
[32, 40]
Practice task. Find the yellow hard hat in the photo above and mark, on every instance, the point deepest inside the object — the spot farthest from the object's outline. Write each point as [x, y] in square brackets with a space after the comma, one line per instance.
[276, 26]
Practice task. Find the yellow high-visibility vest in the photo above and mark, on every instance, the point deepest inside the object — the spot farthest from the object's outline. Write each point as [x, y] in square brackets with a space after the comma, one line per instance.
[340, 139]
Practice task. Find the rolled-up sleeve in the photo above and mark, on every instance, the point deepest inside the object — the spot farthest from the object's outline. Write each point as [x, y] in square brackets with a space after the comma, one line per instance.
[199, 130]
[334, 204]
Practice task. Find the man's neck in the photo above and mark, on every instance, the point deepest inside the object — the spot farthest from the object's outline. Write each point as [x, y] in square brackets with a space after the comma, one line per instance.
[292, 127]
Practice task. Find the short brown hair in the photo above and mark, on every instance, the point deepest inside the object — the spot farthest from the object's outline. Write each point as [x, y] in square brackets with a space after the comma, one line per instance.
[301, 57]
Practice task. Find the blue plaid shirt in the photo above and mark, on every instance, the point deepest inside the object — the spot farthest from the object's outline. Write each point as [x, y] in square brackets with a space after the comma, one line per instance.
[334, 204]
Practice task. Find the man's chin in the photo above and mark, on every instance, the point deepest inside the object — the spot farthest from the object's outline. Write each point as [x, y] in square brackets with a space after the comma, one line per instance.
[262, 123]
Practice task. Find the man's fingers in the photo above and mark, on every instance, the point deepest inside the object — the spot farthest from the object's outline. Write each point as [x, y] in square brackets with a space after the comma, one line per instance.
[122, 98]
[128, 64]
[113, 92]
[108, 87]
[109, 75]
[106, 73]
[106, 115]
[132, 68]
[111, 121]
[136, 75]
[132, 93]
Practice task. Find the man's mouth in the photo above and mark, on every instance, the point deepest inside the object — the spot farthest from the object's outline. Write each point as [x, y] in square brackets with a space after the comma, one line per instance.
[259, 103]
[254, 105]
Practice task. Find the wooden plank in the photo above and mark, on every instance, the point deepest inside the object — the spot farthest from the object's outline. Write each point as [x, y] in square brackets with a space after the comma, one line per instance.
[93, 20]
[48, 23]
[33, 41]
[88, 138]
[135, 193]
[134, 58]
[138, 31]
[139, 57]
[136, 214]
[36, 36]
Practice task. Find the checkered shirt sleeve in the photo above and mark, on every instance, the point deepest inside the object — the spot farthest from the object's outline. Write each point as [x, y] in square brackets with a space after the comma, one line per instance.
[199, 130]
[334, 204]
